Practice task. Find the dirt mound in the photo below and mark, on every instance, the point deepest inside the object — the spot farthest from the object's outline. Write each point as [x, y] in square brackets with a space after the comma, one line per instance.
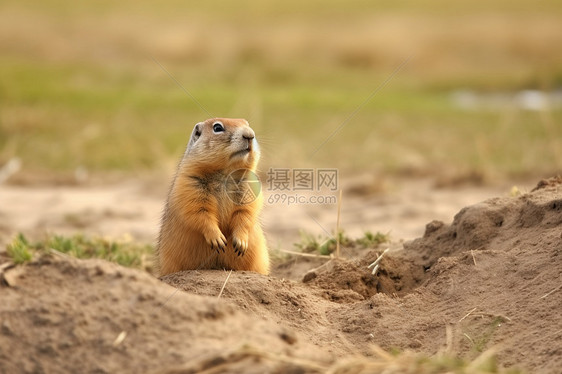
[489, 280]
[508, 224]
[493, 280]
[65, 315]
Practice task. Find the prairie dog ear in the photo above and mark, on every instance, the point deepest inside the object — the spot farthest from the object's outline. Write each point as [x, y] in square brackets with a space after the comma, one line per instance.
[195, 135]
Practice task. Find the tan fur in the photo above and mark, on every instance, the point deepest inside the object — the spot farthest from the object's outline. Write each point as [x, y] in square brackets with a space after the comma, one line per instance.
[200, 216]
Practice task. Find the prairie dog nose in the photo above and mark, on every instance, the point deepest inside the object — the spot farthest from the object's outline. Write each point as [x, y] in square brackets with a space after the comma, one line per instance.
[248, 134]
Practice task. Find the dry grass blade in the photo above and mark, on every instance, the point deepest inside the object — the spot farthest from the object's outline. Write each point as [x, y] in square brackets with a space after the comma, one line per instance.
[59, 253]
[120, 338]
[304, 254]
[376, 262]
[551, 292]
[338, 227]
[467, 314]
[224, 285]
[380, 362]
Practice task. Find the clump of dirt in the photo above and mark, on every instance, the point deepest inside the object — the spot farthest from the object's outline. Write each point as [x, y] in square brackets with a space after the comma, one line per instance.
[346, 281]
[548, 182]
[488, 280]
[343, 281]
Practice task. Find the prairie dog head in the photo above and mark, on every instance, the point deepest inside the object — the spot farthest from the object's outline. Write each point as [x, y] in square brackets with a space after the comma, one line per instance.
[223, 143]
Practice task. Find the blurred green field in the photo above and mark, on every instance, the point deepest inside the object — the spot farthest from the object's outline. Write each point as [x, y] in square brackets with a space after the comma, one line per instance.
[78, 86]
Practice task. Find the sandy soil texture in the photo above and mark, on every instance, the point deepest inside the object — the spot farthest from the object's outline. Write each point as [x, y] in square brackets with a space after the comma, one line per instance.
[488, 280]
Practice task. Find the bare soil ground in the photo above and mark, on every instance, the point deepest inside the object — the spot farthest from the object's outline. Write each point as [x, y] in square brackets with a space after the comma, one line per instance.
[491, 279]
[133, 208]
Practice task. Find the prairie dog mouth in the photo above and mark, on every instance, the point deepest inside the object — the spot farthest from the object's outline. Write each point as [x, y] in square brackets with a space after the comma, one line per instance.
[242, 152]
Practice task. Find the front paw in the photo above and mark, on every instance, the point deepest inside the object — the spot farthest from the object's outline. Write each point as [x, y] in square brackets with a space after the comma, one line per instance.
[239, 244]
[216, 241]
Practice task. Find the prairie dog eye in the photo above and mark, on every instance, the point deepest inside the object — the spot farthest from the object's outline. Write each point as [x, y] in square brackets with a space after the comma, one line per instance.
[218, 127]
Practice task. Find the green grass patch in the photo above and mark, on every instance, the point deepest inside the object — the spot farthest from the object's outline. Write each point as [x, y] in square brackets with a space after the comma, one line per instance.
[480, 343]
[370, 240]
[125, 253]
[64, 117]
[327, 245]
[20, 250]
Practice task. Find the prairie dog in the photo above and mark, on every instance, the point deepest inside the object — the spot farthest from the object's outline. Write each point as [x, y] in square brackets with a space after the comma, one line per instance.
[211, 216]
